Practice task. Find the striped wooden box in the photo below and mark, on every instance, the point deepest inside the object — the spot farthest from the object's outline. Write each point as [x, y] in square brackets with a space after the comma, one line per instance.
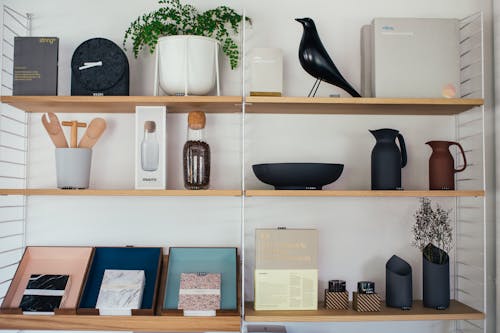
[365, 302]
[338, 300]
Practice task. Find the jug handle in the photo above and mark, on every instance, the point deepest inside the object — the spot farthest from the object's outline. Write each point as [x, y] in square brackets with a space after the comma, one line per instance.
[463, 155]
[404, 157]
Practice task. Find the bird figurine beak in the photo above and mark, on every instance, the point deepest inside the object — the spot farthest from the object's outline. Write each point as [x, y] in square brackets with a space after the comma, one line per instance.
[301, 20]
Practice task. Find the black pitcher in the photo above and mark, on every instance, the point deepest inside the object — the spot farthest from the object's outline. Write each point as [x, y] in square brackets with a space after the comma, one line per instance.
[387, 160]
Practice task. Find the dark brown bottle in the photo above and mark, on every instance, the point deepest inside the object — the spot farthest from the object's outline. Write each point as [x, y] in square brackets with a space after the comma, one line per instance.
[196, 154]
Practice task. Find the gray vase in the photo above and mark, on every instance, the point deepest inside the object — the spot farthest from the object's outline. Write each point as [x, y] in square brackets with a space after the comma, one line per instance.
[398, 283]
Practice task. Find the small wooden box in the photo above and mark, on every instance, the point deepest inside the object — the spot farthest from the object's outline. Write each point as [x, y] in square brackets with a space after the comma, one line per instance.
[336, 300]
[366, 302]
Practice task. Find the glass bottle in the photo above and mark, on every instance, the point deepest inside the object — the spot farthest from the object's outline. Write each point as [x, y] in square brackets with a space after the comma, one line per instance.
[150, 152]
[196, 153]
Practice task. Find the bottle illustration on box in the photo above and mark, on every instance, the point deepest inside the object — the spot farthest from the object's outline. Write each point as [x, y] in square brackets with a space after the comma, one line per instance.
[150, 152]
[196, 154]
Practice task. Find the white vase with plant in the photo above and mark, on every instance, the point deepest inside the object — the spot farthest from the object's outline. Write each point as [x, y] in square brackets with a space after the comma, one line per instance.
[187, 43]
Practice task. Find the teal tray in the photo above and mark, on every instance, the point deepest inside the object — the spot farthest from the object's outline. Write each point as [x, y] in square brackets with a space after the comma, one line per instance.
[221, 260]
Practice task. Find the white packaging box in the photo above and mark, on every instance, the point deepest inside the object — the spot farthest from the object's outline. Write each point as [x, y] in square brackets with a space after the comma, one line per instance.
[150, 147]
[286, 269]
[266, 72]
[411, 57]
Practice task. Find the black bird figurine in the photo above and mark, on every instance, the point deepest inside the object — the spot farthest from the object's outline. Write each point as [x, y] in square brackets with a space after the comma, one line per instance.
[316, 61]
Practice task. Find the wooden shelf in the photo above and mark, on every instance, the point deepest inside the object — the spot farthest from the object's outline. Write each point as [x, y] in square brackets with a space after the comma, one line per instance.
[136, 193]
[123, 104]
[120, 323]
[231, 104]
[361, 193]
[456, 311]
[374, 106]
[248, 193]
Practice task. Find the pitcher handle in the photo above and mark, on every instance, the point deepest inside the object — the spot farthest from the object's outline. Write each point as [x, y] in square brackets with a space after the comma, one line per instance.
[404, 157]
[463, 155]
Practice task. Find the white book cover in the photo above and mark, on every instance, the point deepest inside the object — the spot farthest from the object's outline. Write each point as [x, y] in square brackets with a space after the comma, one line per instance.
[121, 291]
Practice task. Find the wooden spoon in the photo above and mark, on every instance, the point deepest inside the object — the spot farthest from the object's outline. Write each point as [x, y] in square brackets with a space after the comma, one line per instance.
[93, 133]
[55, 131]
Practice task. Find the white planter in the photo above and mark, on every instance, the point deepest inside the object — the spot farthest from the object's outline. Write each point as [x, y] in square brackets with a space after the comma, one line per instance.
[187, 65]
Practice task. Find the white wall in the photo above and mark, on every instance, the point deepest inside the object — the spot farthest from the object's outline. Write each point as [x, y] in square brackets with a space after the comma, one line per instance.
[357, 235]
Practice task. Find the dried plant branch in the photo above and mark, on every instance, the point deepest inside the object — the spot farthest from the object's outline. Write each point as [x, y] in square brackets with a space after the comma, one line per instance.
[432, 226]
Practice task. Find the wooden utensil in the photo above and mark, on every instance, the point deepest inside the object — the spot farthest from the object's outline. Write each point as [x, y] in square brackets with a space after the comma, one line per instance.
[54, 130]
[74, 130]
[93, 133]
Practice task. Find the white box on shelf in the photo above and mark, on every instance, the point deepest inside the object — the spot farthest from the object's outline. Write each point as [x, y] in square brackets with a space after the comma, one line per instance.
[411, 57]
[266, 72]
[150, 147]
[286, 269]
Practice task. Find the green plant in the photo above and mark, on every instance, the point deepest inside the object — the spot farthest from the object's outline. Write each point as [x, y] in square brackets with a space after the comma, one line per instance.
[175, 18]
[432, 226]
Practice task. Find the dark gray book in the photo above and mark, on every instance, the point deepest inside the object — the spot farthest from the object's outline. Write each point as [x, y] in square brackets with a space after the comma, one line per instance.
[44, 293]
[35, 66]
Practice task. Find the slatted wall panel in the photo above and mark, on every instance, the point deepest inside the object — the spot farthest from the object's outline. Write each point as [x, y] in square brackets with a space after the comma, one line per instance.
[470, 265]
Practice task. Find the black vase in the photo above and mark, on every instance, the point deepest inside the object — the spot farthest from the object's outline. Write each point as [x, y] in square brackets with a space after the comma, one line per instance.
[436, 270]
[398, 284]
[387, 159]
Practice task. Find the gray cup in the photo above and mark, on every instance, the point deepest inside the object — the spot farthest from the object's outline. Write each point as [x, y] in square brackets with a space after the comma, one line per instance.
[73, 167]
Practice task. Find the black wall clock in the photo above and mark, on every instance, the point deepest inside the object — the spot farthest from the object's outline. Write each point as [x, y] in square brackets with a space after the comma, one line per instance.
[99, 67]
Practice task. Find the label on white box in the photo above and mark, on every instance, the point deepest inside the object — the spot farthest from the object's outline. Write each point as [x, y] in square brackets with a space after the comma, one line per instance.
[286, 289]
[150, 147]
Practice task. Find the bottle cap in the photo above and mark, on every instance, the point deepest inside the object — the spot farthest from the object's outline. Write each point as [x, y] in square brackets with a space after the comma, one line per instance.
[150, 126]
[196, 120]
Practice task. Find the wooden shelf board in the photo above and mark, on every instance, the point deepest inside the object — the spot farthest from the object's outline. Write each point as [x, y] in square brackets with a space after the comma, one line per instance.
[120, 323]
[123, 104]
[374, 106]
[248, 193]
[456, 311]
[361, 193]
[137, 193]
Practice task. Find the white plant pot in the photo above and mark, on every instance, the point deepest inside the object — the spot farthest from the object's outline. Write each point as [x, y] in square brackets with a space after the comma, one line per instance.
[187, 65]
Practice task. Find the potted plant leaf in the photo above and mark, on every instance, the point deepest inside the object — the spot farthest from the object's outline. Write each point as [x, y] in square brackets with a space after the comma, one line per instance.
[433, 235]
[188, 42]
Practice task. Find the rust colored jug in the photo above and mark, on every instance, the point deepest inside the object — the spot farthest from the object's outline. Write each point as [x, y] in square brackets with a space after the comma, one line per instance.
[442, 166]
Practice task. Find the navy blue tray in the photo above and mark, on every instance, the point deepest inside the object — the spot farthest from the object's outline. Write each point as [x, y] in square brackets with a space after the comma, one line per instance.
[134, 258]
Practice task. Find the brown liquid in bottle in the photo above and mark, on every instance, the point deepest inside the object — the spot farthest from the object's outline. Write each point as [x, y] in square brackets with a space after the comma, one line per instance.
[196, 154]
[196, 158]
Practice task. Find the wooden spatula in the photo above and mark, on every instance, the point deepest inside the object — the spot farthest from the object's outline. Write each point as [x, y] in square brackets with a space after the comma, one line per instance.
[55, 131]
[93, 133]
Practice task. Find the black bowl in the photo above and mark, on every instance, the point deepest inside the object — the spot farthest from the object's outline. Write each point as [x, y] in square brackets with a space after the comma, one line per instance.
[298, 176]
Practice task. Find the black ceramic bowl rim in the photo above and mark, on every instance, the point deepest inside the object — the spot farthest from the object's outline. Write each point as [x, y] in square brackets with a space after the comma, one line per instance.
[298, 163]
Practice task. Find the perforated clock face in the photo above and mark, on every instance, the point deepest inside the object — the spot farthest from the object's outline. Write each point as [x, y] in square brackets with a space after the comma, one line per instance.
[98, 64]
